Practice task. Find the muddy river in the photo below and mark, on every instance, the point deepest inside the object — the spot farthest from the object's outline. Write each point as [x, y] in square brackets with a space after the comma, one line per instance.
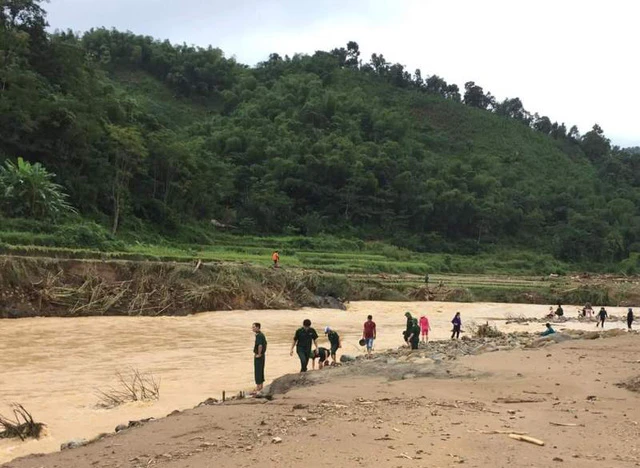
[54, 366]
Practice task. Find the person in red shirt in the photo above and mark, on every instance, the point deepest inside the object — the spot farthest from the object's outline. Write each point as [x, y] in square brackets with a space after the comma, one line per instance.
[369, 333]
[425, 328]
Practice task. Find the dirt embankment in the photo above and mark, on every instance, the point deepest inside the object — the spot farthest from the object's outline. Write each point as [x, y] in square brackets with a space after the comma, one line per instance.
[39, 286]
[405, 409]
[54, 287]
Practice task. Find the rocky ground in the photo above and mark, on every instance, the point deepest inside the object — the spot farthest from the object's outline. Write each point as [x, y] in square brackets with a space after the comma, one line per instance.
[444, 405]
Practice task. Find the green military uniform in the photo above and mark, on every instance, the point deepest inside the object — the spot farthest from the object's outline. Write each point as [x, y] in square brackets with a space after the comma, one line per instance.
[258, 362]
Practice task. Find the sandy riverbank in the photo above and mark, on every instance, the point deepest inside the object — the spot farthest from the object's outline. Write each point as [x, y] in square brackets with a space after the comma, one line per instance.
[446, 418]
[196, 357]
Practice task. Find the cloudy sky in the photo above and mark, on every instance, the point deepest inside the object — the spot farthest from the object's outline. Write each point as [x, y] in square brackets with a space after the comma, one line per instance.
[575, 61]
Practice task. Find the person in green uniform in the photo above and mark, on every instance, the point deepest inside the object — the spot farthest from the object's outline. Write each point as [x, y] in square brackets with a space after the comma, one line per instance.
[304, 337]
[259, 350]
[322, 355]
[407, 330]
[334, 340]
[414, 335]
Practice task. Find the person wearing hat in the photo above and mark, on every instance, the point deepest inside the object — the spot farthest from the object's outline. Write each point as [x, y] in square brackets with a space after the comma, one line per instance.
[334, 340]
[407, 330]
[369, 333]
[629, 318]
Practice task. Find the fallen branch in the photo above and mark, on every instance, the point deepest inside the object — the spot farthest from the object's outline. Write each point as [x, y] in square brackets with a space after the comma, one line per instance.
[565, 424]
[524, 438]
[22, 425]
[519, 400]
[501, 432]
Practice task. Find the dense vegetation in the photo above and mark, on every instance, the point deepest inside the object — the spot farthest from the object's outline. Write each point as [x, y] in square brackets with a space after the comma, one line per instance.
[143, 134]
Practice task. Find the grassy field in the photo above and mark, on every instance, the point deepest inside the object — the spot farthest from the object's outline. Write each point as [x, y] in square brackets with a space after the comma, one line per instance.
[324, 253]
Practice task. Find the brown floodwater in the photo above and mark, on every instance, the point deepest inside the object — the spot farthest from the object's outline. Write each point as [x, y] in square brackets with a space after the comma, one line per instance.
[54, 366]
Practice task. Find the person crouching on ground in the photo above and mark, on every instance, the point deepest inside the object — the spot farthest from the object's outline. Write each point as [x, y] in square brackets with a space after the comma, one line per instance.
[629, 318]
[334, 341]
[322, 355]
[414, 338]
[425, 328]
[549, 330]
[259, 350]
[302, 340]
[369, 333]
[457, 325]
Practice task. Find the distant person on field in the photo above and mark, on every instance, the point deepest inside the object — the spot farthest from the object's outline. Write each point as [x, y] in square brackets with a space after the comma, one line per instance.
[334, 341]
[303, 339]
[426, 280]
[407, 330]
[425, 328]
[322, 355]
[602, 316]
[369, 333]
[275, 256]
[259, 350]
[414, 336]
[629, 318]
[559, 311]
[457, 325]
[549, 330]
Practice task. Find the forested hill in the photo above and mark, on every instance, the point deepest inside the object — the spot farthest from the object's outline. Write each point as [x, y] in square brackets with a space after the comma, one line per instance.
[138, 130]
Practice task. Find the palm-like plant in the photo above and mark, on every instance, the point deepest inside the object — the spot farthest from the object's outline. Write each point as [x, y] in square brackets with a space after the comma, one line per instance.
[27, 190]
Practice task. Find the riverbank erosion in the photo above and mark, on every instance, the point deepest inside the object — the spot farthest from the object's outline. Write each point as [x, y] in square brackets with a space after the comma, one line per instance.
[410, 409]
[41, 286]
[62, 287]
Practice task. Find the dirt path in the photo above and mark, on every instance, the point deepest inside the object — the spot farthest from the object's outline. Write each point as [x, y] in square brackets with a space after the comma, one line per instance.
[444, 419]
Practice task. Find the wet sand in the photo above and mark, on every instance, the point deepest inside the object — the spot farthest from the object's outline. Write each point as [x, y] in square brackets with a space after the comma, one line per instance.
[53, 366]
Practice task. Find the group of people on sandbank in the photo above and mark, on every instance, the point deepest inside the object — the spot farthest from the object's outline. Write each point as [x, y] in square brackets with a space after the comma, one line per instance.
[306, 346]
[588, 312]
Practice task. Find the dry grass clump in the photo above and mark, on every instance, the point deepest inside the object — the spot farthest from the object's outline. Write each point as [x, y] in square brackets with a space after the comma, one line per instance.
[133, 386]
[22, 426]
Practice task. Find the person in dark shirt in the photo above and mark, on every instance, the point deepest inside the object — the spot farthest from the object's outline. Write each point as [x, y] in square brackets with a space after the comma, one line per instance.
[369, 333]
[602, 316]
[304, 337]
[322, 355]
[414, 336]
[334, 341]
[629, 318]
[457, 324]
[559, 311]
[407, 330]
[259, 350]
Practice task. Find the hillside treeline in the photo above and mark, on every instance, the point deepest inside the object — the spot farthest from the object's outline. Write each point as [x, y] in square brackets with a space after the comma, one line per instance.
[141, 131]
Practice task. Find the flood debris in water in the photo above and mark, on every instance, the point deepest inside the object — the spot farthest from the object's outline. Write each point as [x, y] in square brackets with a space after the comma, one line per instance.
[133, 386]
[22, 426]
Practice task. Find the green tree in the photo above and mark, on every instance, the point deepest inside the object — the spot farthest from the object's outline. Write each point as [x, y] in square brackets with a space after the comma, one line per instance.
[29, 191]
[128, 150]
[595, 144]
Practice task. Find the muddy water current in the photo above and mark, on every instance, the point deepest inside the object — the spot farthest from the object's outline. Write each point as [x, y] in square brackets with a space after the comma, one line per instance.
[55, 366]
